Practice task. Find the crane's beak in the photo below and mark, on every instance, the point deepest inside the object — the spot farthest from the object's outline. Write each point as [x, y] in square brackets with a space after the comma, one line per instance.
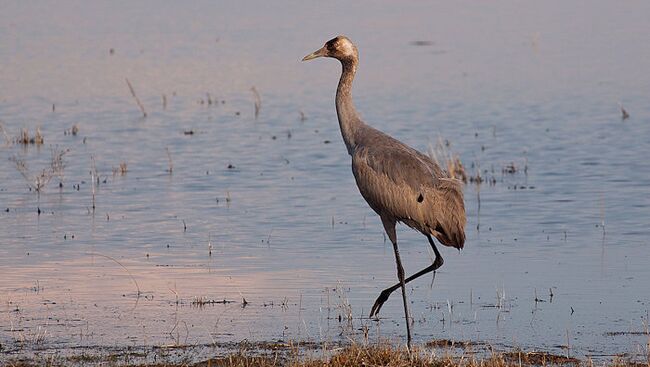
[319, 53]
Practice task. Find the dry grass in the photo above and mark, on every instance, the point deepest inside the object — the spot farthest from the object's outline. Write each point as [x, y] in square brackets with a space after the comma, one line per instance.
[443, 156]
[386, 355]
[353, 356]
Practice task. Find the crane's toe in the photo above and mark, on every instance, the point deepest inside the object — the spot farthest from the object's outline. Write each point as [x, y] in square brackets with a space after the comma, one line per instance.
[383, 297]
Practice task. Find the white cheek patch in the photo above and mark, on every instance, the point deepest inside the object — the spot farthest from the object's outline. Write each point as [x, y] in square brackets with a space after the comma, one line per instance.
[345, 47]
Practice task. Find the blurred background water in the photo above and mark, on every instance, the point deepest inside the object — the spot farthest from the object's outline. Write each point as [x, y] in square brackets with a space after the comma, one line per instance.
[267, 210]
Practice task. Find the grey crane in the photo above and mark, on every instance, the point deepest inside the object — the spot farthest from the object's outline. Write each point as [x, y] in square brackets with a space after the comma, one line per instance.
[399, 183]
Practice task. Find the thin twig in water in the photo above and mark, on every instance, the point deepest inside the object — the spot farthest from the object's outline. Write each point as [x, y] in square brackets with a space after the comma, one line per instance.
[137, 100]
[122, 265]
[258, 101]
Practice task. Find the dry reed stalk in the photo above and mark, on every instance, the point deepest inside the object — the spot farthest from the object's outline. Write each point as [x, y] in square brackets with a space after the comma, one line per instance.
[93, 178]
[137, 100]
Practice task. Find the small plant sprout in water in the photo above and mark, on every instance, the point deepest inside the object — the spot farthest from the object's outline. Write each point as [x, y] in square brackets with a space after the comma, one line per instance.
[74, 130]
[624, 114]
[258, 101]
[170, 168]
[209, 246]
[244, 303]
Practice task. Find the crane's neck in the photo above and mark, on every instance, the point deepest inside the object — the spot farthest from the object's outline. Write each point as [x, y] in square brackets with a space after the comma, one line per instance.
[349, 120]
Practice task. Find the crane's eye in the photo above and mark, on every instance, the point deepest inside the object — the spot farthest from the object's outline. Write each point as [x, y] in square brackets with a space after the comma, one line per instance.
[331, 44]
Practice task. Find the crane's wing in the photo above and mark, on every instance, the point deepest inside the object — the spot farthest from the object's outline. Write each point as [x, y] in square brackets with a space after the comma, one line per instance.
[402, 165]
[399, 182]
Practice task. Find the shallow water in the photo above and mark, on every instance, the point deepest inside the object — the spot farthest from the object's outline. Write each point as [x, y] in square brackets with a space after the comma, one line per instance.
[284, 228]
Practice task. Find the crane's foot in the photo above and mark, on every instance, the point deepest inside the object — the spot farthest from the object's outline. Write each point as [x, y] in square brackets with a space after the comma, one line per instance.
[383, 297]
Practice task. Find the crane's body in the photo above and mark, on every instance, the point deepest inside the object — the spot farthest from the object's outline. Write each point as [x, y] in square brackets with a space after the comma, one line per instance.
[399, 183]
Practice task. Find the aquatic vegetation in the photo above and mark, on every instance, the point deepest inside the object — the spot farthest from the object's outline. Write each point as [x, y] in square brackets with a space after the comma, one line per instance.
[445, 158]
[38, 182]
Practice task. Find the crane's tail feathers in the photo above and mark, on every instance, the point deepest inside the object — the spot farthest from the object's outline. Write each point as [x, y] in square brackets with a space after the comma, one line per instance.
[450, 230]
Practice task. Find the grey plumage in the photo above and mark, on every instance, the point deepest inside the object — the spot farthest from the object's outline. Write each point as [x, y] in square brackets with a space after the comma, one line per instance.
[399, 183]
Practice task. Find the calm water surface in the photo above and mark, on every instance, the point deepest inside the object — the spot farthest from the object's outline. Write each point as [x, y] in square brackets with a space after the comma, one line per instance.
[266, 209]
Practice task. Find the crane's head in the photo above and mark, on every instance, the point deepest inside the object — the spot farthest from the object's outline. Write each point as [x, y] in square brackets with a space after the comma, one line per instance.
[340, 48]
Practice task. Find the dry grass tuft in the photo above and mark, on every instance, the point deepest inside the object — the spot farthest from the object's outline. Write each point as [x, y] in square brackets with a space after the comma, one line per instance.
[241, 359]
[442, 155]
[355, 355]
[74, 130]
[538, 358]
[26, 139]
[122, 169]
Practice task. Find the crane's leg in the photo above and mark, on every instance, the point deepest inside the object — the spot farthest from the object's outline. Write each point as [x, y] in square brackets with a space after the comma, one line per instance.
[383, 296]
[389, 226]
